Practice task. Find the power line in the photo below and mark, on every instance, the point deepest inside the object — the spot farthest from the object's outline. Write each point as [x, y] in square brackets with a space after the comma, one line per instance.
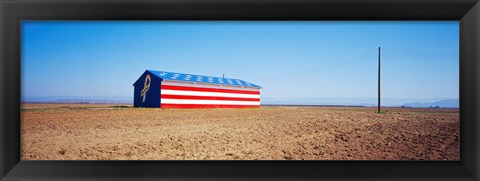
[335, 64]
[369, 55]
[421, 55]
[422, 51]
[325, 68]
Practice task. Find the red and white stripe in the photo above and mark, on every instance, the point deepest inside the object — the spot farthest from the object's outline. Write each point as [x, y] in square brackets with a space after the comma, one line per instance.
[176, 95]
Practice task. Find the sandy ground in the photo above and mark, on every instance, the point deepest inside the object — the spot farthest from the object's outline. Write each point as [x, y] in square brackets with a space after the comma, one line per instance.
[120, 132]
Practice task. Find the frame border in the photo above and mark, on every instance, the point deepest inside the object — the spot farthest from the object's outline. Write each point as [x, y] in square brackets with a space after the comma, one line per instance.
[13, 11]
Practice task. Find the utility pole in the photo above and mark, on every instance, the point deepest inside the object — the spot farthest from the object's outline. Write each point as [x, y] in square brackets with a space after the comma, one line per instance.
[379, 79]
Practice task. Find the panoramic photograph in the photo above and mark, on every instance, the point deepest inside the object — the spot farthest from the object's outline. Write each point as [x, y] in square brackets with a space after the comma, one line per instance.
[240, 90]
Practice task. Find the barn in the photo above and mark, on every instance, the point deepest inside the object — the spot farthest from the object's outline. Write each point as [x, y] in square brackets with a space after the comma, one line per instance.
[163, 89]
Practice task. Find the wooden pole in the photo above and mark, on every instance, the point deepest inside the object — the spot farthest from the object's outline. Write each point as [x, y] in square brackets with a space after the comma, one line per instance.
[379, 79]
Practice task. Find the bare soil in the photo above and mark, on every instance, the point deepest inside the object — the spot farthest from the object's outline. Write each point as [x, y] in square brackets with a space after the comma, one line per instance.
[120, 132]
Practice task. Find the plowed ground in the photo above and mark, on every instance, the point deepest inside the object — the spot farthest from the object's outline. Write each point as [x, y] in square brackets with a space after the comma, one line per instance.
[120, 132]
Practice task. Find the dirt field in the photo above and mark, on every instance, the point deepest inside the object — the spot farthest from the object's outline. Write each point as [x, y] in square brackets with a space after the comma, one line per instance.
[120, 132]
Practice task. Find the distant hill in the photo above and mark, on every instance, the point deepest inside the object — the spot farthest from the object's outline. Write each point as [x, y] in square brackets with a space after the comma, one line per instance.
[368, 102]
[449, 103]
[79, 99]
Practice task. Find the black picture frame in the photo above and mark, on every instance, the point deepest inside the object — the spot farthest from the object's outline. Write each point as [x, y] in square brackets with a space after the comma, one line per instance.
[13, 11]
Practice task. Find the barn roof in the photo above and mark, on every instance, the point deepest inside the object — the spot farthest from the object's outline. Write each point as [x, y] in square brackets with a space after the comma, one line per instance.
[201, 78]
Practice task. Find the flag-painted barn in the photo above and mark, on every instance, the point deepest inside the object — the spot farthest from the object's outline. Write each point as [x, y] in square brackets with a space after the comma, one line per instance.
[178, 90]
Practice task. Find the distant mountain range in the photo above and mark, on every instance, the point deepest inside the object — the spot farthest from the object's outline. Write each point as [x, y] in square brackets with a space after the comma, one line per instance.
[79, 99]
[449, 103]
[367, 102]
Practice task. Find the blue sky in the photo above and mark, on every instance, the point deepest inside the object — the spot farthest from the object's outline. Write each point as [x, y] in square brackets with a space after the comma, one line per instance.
[321, 59]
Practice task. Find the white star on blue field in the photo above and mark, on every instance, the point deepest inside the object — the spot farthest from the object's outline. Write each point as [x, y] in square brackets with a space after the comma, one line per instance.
[288, 59]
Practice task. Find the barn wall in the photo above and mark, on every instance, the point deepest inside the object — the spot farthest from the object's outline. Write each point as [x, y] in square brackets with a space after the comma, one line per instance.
[186, 95]
[152, 98]
[169, 82]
